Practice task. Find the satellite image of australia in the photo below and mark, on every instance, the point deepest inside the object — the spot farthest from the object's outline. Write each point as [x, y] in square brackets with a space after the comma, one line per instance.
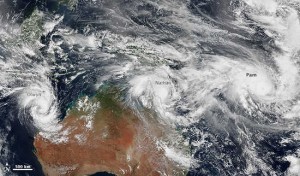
[149, 87]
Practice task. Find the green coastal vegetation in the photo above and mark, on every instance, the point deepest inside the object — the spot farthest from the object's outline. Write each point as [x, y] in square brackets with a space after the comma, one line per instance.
[31, 28]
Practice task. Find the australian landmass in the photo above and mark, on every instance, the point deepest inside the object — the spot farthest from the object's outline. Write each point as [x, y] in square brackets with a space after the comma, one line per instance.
[113, 140]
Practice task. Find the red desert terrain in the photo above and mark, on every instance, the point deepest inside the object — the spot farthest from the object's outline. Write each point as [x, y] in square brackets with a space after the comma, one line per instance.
[118, 143]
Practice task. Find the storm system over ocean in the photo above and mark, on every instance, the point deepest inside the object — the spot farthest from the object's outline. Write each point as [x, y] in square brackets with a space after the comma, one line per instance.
[215, 84]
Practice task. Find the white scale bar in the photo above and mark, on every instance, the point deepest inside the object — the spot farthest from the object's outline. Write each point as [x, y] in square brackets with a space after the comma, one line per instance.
[22, 169]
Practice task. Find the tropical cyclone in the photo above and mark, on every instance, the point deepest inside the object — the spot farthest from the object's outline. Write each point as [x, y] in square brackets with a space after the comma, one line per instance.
[220, 77]
[113, 140]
